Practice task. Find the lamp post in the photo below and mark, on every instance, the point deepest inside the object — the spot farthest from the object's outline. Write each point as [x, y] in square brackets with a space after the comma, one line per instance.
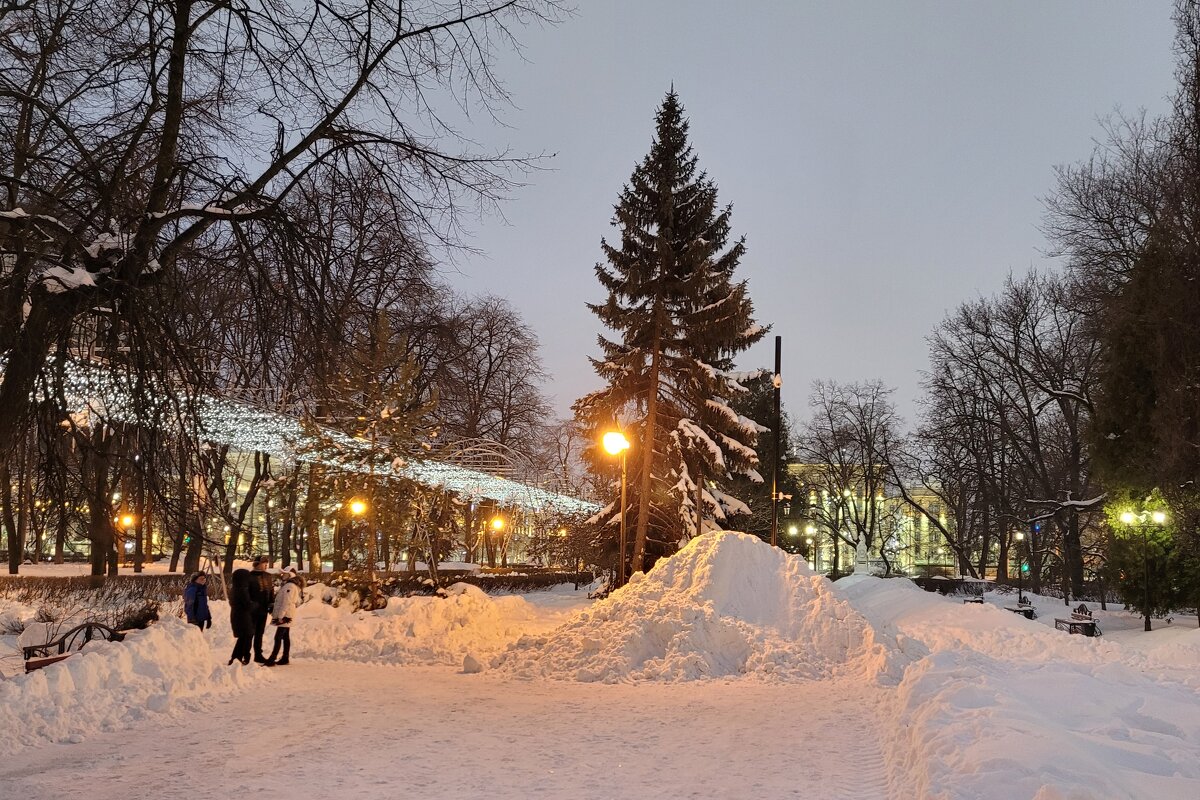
[357, 509]
[1020, 537]
[615, 443]
[1143, 520]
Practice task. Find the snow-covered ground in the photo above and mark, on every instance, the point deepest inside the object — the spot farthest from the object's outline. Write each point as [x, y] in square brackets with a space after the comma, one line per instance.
[729, 670]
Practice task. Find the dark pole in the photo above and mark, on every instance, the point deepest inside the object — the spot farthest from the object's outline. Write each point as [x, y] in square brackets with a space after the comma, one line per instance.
[621, 559]
[1020, 579]
[1146, 563]
[777, 380]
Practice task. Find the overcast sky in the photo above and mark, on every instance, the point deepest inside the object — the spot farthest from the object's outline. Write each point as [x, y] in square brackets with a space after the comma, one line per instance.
[885, 160]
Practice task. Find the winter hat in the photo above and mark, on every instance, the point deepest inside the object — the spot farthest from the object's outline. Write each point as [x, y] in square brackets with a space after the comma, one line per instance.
[260, 559]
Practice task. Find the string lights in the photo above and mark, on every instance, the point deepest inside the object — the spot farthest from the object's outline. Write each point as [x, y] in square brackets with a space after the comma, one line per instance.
[96, 395]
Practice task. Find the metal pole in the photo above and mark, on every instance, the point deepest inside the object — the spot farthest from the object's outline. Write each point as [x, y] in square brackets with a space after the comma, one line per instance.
[777, 380]
[1020, 578]
[1146, 563]
[621, 558]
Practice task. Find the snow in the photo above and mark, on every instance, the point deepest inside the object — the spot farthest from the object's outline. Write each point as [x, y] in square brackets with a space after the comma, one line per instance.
[725, 606]
[730, 661]
[168, 668]
[60, 279]
[419, 630]
[993, 705]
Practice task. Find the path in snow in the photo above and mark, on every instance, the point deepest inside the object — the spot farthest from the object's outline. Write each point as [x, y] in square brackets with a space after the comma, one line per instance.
[342, 730]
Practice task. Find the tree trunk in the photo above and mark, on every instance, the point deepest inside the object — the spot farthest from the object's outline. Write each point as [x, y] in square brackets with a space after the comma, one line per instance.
[60, 536]
[638, 564]
[311, 519]
[10, 524]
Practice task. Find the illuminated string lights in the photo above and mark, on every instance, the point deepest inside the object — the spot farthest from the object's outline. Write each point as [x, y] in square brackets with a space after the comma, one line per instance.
[97, 395]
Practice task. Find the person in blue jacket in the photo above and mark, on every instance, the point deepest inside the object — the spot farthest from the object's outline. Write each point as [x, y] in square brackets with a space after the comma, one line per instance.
[195, 602]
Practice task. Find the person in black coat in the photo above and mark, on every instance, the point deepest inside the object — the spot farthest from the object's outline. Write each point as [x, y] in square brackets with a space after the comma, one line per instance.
[241, 618]
[195, 602]
[262, 597]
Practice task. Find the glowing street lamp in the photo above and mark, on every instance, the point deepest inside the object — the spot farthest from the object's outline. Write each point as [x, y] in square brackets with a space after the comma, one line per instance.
[497, 524]
[358, 507]
[1144, 520]
[615, 444]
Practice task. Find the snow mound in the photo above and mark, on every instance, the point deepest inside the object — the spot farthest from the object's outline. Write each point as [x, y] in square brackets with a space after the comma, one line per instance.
[995, 706]
[111, 685]
[417, 630]
[725, 605]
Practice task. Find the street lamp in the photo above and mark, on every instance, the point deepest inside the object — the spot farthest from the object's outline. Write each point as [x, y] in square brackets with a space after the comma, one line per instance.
[616, 444]
[1020, 537]
[1143, 520]
[357, 507]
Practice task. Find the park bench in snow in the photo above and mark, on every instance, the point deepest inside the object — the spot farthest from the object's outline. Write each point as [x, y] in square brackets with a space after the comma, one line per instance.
[1026, 611]
[42, 655]
[1081, 622]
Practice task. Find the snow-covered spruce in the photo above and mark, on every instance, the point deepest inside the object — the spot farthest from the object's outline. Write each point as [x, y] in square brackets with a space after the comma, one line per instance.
[726, 605]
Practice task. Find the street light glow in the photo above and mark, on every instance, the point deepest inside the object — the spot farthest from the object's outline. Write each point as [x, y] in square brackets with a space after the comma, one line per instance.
[615, 443]
[498, 524]
[127, 521]
[357, 507]
[793, 530]
[1158, 517]
[1128, 517]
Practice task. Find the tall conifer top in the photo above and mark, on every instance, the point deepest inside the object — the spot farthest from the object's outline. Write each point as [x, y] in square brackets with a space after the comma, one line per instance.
[678, 320]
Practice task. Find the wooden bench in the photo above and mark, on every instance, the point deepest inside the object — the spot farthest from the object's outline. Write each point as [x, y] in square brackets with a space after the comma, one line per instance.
[1081, 622]
[1086, 627]
[43, 655]
[1028, 612]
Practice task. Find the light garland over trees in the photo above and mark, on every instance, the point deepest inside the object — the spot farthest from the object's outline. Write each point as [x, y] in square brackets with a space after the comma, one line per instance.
[98, 395]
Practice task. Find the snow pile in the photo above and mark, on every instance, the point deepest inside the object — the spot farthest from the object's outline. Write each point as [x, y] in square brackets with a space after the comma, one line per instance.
[417, 630]
[112, 684]
[1181, 651]
[726, 605]
[997, 706]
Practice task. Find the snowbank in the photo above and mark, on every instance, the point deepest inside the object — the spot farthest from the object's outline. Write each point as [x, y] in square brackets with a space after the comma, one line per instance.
[417, 630]
[726, 605]
[113, 684]
[997, 706]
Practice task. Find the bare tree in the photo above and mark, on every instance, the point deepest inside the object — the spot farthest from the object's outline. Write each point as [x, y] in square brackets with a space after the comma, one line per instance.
[134, 132]
[843, 447]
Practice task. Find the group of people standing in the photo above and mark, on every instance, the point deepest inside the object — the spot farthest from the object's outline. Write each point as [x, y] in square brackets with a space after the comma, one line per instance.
[252, 599]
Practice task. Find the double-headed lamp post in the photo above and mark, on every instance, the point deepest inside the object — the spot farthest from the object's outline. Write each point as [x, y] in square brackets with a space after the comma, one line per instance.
[616, 444]
[1020, 537]
[1144, 520]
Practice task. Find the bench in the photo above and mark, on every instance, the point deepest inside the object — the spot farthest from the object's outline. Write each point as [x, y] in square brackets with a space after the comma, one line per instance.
[1028, 612]
[973, 600]
[1086, 627]
[43, 655]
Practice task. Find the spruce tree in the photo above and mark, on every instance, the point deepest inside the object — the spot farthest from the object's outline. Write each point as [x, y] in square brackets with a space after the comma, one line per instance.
[680, 318]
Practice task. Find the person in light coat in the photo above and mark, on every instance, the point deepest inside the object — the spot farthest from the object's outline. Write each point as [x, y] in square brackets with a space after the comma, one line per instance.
[287, 600]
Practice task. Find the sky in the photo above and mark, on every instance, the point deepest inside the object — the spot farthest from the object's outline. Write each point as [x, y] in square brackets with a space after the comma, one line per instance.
[886, 161]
